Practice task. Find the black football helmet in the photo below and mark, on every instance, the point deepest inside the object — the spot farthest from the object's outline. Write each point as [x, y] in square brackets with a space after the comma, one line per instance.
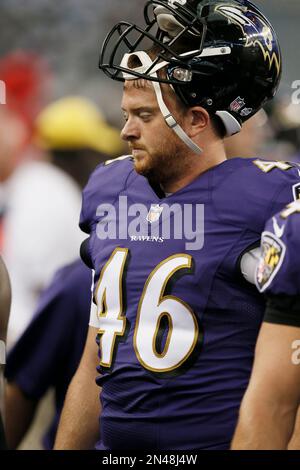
[221, 55]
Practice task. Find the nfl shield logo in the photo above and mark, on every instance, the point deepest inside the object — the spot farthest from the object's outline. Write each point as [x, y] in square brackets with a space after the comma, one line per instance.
[237, 104]
[154, 213]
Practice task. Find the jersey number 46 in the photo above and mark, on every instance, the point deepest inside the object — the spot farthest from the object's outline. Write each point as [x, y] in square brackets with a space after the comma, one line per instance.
[154, 305]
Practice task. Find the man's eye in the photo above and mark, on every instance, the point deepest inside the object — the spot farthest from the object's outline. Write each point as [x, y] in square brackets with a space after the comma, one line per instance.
[145, 116]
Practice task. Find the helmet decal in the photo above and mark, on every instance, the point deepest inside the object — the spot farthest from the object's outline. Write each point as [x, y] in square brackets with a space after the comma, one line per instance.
[264, 37]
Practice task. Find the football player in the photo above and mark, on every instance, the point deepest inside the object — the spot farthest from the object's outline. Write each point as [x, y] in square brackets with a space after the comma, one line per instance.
[5, 297]
[48, 353]
[269, 408]
[175, 321]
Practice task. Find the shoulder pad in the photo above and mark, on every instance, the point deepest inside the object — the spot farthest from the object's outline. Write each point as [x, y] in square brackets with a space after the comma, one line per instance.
[249, 191]
[104, 186]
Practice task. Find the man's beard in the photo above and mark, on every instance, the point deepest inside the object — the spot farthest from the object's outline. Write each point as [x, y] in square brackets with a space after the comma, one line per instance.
[166, 164]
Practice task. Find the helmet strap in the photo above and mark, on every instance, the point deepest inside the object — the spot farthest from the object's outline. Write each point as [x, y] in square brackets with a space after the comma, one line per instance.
[168, 117]
[231, 124]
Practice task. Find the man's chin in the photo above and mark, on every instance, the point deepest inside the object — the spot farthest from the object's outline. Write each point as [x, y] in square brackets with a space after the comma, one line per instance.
[141, 170]
[141, 167]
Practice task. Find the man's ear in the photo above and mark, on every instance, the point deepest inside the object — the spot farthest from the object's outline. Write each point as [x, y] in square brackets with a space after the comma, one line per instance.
[198, 119]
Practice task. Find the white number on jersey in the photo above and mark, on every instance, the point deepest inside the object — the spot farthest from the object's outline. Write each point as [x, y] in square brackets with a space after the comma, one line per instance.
[183, 328]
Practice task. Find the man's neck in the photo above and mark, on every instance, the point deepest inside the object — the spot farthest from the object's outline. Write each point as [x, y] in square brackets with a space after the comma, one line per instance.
[199, 164]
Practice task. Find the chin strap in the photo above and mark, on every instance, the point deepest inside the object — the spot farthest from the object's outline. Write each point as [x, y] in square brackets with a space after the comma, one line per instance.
[168, 117]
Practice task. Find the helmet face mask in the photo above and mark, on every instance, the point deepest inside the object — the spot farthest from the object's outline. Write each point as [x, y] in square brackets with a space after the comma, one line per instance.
[127, 37]
[221, 55]
[184, 15]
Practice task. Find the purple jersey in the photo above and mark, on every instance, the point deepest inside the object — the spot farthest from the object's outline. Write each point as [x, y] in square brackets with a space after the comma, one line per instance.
[48, 353]
[279, 269]
[278, 272]
[177, 325]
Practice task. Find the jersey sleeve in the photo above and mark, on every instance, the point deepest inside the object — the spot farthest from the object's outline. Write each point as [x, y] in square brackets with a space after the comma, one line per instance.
[250, 191]
[103, 187]
[278, 271]
[245, 194]
[283, 310]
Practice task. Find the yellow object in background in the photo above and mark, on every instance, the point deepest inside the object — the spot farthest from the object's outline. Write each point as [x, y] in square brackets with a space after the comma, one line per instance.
[75, 122]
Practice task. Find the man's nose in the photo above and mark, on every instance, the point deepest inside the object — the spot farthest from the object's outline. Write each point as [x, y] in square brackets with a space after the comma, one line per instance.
[130, 130]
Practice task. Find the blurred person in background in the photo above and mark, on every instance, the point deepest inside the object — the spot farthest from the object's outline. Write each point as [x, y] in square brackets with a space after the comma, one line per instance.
[27, 79]
[43, 198]
[48, 353]
[251, 141]
[22, 73]
[286, 123]
[74, 133]
[5, 298]
[273, 134]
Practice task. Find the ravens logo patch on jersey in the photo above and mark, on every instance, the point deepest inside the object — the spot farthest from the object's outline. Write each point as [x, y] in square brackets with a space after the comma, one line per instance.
[272, 255]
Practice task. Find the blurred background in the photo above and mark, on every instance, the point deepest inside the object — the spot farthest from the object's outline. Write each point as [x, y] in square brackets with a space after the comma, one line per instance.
[61, 118]
[68, 34]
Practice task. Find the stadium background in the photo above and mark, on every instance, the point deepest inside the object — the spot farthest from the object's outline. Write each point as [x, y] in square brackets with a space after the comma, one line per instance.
[68, 35]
